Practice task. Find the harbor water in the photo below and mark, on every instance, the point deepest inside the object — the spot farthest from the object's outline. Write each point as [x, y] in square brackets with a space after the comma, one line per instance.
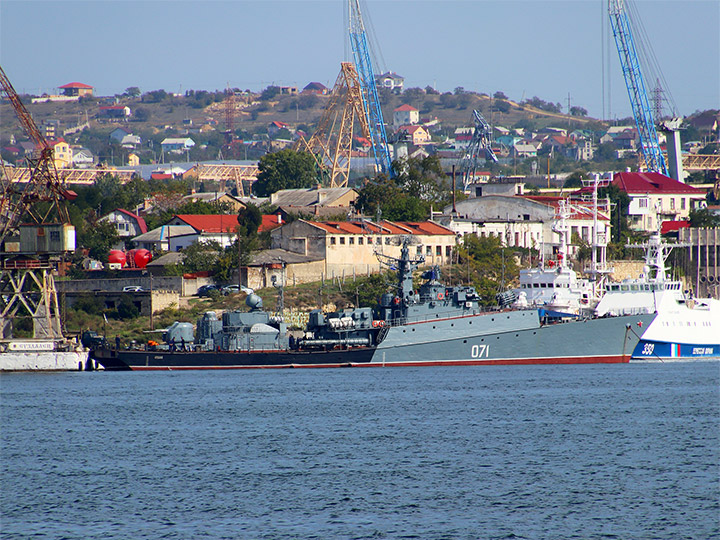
[626, 451]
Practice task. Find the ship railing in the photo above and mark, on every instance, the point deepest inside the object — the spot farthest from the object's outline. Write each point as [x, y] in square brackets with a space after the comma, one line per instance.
[442, 315]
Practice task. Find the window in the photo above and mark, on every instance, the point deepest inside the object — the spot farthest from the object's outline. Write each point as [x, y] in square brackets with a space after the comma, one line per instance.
[438, 251]
[351, 240]
[342, 240]
[360, 241]
[369, 240]
[448, 251]
[672, 203]
[682, 203]
[419, 250]
[332, 240]
[643, 203]
[54, 236]
[428, 250]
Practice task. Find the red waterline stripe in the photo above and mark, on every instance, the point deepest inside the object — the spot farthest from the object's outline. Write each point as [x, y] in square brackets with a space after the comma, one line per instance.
[615, 359]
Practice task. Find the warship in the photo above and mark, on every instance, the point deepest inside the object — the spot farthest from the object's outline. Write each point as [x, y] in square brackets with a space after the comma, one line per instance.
[433, 324]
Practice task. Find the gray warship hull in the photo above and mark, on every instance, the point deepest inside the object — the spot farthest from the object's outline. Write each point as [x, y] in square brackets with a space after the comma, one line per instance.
[513, 337]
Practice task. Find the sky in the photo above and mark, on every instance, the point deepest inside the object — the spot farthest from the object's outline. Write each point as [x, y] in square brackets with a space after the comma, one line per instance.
[546, 48]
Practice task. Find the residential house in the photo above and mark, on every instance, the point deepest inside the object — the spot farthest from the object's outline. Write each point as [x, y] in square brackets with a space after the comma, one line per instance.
[416, 135]
[82, 158]
[275, 127]
[220, 228]
[463, 136]
[405, 115]
[288, 90]
[349, 247]
[391, 81]
[133, 160]
[76, 89]
[584, 150]
[127, 224]
[526, 149]
[655, 198]
[113, 112]
[62, 154]
[125, 138]
[159, 239]
[233, 204]
[316, 88]
[177, 145]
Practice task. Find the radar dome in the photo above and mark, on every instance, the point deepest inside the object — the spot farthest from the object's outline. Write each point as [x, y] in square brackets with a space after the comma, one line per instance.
[253, 301]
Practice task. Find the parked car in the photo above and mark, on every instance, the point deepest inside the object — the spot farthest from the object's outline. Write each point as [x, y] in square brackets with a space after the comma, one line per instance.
[230, 289]
[207, 290]
[133, 288]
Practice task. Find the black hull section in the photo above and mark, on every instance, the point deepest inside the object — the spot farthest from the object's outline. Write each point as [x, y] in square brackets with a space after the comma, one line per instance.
[124, 360]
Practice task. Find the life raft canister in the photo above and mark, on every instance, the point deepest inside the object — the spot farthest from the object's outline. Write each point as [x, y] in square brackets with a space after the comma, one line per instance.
[440, 296]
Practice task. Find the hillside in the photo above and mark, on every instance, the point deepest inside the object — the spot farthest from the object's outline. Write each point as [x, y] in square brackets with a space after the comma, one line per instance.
[156, 115]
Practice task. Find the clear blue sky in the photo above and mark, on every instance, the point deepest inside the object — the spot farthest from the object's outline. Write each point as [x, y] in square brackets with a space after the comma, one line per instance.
[523, 48]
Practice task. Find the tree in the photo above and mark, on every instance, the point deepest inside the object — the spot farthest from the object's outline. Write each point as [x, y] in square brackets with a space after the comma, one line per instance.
[269, 93]
[285, 169]
[249, 221]
[702, 217]
[201, 256]
[132, 91]
[575, 179]
[98, 238]
[499, 95]
[578, 111]
[490, 265]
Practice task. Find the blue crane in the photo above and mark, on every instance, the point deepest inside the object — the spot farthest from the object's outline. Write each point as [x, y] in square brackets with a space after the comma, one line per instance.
[480, 143]
[649, 143]
[371, 101]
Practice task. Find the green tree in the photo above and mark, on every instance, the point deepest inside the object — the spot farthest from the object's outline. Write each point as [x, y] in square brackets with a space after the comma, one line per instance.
[285, 169]
[201, 256]
[490, 266]
[702, 217]
[249, 221]
[132, 91]
[98, 237]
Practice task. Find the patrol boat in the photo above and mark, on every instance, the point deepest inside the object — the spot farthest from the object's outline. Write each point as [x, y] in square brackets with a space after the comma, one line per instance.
[433, 324]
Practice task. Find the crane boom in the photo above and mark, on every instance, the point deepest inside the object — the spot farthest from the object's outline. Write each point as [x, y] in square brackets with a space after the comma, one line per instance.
[17, 200]
[371, 100]
[649, 142]
[480, 143]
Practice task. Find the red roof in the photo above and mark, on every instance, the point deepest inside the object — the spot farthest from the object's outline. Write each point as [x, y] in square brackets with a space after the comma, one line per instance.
[160, 176]
[651, 182]
[76, 85]
[270, 222]
[140, 221]
[210, 223]
[406, 107]
[673, 226]
[384, 227]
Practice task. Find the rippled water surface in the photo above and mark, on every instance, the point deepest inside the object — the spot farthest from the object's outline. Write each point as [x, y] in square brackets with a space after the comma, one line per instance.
[558, 452]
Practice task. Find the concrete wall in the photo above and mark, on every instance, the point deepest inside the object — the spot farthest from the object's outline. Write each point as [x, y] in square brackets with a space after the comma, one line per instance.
[178, 284]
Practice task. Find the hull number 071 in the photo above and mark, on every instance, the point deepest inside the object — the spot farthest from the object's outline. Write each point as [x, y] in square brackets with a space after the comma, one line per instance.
[480, 351]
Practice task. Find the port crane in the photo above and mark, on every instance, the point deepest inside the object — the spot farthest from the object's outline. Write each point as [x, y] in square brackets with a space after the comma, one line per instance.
[331, 143]
[649, 142]
[371, 100]
[26, 276]
[480, 143]
[20, 200]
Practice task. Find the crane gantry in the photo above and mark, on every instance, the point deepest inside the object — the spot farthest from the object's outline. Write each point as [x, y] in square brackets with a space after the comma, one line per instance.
[331, 144]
